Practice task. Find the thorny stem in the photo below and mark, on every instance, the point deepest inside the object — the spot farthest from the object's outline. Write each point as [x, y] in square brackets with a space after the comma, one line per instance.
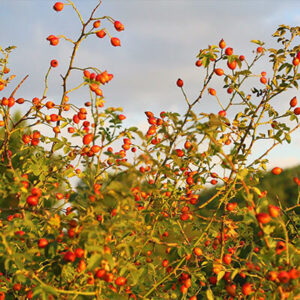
[8, 131]
[75, 48]
[46, 83]
[190, 106]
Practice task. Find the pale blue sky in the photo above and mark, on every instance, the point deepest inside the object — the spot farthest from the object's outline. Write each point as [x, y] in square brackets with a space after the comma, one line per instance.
[159, 44]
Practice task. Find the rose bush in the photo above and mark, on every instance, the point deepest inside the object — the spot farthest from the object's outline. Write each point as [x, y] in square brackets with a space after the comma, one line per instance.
[134, 226]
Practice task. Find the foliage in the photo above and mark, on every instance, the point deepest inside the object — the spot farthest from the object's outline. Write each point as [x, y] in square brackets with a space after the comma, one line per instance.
[135, 227]
[280, 190]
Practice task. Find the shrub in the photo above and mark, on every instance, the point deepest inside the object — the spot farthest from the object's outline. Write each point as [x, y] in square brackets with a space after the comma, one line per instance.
[134, 226]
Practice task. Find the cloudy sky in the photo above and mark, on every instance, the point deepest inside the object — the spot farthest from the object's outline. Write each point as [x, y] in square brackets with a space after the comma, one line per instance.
[159, 44]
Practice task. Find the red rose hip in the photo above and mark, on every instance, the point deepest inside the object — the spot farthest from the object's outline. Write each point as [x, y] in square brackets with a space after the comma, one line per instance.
[58, 6]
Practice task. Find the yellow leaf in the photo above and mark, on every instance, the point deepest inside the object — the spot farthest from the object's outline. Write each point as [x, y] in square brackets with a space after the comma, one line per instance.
[55, 221]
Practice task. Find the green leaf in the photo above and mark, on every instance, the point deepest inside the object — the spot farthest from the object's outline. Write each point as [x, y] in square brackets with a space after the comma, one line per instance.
[64, 124]
[268, 229]
[21, 278]
[58, 146]
[256, 190]
[282, 67]
[260, 43]
[288, 69]
[243, 173]
[295, 83]
[113, 296]
[220, 275]
[49, 290]
[37, 292]
[234, 273]
[94, 261]
[209, 294]
[134, 276]
[244, 72]
[181, 251]
[205, 62]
